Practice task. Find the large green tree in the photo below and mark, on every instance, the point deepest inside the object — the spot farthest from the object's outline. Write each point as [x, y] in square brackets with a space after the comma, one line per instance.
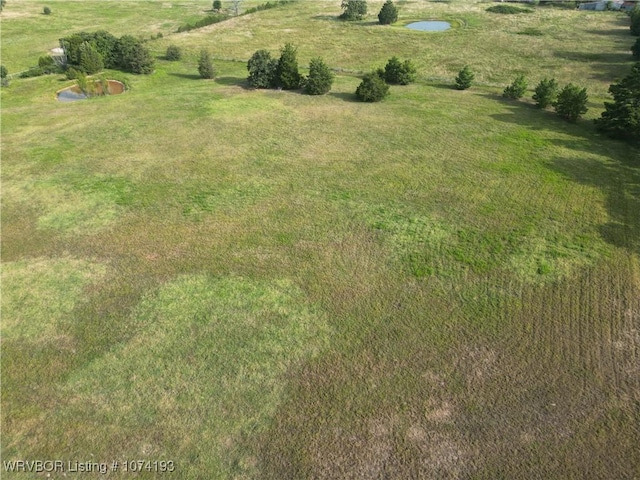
[262, 69]
[571, 103]
[397, 72]
[635, 21]
[353, 9]
[320, 78]
[621, 118]
[388, 13]
[90, 59]
[134, 56]
[287, 74]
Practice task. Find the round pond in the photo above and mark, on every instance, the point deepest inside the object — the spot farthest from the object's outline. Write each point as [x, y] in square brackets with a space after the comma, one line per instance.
[73, 93]
[430, 26]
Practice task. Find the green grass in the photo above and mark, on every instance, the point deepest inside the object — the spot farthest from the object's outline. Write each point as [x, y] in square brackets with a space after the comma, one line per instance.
[264, 284]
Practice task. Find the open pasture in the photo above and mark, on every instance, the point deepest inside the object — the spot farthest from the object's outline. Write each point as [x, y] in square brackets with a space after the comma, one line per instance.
[265, 284]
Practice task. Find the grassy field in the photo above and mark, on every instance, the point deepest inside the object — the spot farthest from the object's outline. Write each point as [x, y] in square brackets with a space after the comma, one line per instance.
[264, 284]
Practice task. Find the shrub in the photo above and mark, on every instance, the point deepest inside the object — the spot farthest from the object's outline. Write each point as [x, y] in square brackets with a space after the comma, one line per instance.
[32, 72]
[400, 73]
[205, 66]
[262, 70]
[635, 49]
[217, 5]
[208, 20]
[508, 9]
[546, 93]
[48, 65]
[464, 78]
[635, 21]
[353, 9]
[517, 89]
[3, 71]
[46, 11]
[106, 44]
[571, 102]
[134, 56]
[372, 89]
[72, 73]
[287, 75]
[173, 53]
[388, 13]
[621, 119]
[90, 60]
[320, 78]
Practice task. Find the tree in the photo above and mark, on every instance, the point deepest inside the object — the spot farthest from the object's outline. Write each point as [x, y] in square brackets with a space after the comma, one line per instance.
[262, 70]
[402, 73]
[90, 60]
[46, 11]
[621, 119]
[2, 4]
[517, 89]
[3, 71]
[320, 78]
[353, 9]
[571, 102]
[546, 93]
[635, 50]
[173, 53]
[236, 6]
[372, 88]
[635, 21]
[464, 78]
[134, 56]
[47, 64]
[217, 5]
[388, 13]
[205, 66]
[287, 75]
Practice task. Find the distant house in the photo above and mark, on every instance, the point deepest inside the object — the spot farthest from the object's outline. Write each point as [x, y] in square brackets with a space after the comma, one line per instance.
[602, 5]
[629, 5]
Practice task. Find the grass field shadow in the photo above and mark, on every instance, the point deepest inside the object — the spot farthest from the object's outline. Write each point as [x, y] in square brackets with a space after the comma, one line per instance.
[234, 81]
[344, 96]
[187, 76]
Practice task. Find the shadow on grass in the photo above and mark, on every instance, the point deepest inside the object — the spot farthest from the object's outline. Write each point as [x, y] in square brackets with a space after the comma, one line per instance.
[344, 96]
[444, 86]
[604, 58]
[234, 81]
[188, 76]
[618, 177]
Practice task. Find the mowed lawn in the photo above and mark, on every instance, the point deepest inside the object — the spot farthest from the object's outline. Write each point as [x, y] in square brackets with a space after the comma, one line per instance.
[264, 284]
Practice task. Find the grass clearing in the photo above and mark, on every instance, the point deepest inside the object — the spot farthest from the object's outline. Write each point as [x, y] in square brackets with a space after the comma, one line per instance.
[264, 284]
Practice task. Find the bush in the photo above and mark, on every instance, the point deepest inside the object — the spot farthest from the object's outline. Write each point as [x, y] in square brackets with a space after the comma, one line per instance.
[90, 60]
[517, 89]
[3, 71]
[635, 21]
[571, 102]
[106, 44]
[134, 56]
[205, 66]
[208, 20]
[353, 9]
[287, 75]
[372, 89]
[32, 72]
[635, 49]
[217, 5]
[388, 13]
[399, 73]
[48, 65]
[546, 93]
[464, 78]
[508, 9]
[72, 73]
[621, 119]
[46, 11]
[262, 70]
[173, 53]
[320, 78]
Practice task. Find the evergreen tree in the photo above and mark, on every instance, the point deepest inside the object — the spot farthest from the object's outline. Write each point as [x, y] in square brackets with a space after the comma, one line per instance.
[635, 21]
[372, 88]
[90, 60]
[402, 73]
[205, 66]
[173, 53]
[621, 119]
[464, 78]
[134, 56]
[517, 89]
[320, 78]
[388, 13]
[546, 93]
[571, 103]
[287, 75]
[3, 71]
[635, 49]
[353, 9]
[217, 5]
[262, 70]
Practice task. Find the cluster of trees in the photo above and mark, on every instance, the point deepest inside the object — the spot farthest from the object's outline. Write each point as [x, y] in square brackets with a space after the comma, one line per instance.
[91, 52]
[268, 72]
[570, 102]
[375, 85]
[357, 9]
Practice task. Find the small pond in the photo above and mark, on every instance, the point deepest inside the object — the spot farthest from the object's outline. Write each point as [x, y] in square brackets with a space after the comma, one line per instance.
[430, 26]
[73, 93]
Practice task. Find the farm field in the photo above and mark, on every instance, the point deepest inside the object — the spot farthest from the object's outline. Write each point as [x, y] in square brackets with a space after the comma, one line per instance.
[265, 284]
